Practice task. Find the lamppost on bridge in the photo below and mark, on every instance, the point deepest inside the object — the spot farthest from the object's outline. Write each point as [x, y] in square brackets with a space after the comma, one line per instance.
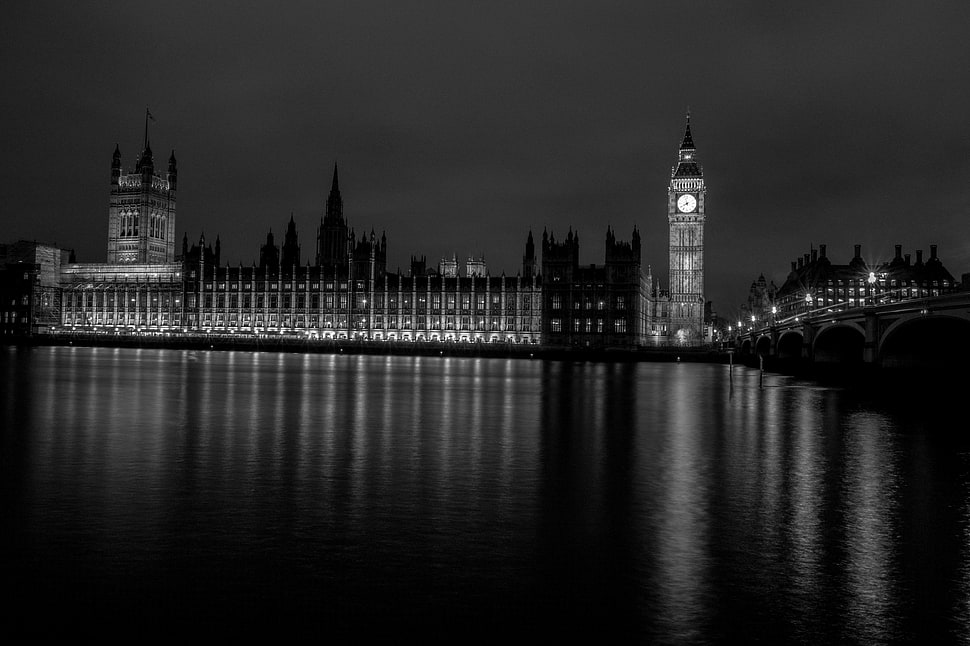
[871, 289]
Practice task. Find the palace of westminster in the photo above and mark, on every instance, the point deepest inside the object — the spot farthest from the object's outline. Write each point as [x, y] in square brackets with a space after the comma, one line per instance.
[148, 285]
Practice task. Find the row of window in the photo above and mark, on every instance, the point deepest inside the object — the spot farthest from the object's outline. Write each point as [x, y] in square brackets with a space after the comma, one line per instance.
[619, 302]
[110, 318]
[588, 325]
[361, 301]
[329, 322]
[481, 300]
[129, 225]
[862, 282]
[111, 299]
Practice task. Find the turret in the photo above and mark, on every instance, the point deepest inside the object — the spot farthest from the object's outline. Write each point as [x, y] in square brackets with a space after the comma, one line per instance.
[529, 259]
[269, 253]
[333, 242]
[172, 171]
[335, 203]
[291, 246]
[116, 166]
[146, 165]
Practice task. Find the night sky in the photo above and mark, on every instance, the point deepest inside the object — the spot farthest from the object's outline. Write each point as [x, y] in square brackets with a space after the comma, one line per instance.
[459, 127]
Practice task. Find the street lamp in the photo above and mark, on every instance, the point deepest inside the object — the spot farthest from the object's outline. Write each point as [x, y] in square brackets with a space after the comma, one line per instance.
[871, 289]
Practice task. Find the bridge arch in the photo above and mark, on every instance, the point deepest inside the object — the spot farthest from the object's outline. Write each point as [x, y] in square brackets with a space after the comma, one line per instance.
[763, 345]
[790, 345]
[926, 341]
[746, 347]
[839, 343]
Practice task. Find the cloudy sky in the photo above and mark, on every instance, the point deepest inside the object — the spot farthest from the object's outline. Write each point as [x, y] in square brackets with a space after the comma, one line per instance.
[459, 127]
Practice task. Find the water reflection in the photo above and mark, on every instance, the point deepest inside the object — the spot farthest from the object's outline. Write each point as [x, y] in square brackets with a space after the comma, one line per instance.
[667, 501]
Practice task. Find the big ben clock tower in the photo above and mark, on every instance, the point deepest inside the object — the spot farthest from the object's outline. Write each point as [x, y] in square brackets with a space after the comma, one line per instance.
[685, 215]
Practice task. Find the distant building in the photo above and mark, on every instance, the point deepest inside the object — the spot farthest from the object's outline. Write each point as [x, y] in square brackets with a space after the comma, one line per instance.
[448, 267]
[30, 294]
[815, 283]
[476, 267]
[762, 296]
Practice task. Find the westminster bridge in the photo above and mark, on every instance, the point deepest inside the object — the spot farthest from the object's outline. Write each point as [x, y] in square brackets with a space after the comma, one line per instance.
[925, 332]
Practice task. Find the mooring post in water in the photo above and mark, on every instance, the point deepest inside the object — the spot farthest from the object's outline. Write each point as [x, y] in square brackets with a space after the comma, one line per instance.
[761, 373]
[731, 365]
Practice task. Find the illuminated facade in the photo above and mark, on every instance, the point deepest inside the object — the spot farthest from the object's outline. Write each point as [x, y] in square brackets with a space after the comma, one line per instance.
[141, 215]
[140, 285]
[686, 197]
[815, 284]
[347, 293]
[122, 297]
[353, 296]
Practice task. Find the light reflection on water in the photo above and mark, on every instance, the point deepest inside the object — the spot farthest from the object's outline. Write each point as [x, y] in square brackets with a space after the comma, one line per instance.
[371, 493]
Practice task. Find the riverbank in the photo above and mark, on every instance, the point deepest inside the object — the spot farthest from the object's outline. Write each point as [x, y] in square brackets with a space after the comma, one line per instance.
[282, 343]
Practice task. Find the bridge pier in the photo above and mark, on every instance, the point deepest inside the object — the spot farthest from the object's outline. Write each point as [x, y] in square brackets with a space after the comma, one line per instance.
[871, 342]
[808, 340]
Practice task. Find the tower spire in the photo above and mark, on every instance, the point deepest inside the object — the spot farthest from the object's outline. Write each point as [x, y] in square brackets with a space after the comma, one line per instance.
[688, 143]
[334, 186]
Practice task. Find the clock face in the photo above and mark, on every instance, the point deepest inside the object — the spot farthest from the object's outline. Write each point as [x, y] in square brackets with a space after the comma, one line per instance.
[686, 203]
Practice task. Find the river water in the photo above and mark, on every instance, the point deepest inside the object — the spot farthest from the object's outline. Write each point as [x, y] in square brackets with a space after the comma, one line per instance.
[455, 497]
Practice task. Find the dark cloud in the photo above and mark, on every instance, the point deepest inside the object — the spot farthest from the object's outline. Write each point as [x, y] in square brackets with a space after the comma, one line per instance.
[460, 127]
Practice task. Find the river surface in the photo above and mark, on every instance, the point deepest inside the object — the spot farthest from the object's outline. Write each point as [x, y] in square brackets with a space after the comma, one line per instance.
[457, 498]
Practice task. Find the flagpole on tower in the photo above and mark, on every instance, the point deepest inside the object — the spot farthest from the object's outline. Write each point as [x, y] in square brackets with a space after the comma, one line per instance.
[148, 115]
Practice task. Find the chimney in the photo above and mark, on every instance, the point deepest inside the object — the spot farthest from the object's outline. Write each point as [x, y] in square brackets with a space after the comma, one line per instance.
[793, 263]
[899, 252]
[932, 252]
[919, 256]
[801, 263]
[806, 258]
[821, 251]
[906, 257]
[858, 251]
[814, 255]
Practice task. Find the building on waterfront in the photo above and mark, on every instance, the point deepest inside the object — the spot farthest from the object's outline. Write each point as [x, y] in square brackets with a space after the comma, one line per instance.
[347, 293]
[140, 286]
[30, 292]
[340, 287]
[686, 208]
[600, 306]
[815, 284]
[762, 296]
